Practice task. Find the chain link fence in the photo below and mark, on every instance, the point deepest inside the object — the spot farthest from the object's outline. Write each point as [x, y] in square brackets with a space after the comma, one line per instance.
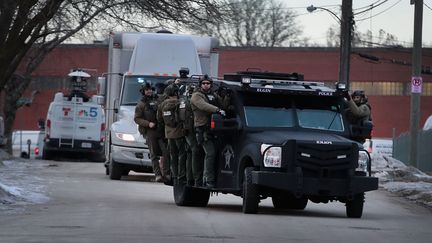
[401, 149]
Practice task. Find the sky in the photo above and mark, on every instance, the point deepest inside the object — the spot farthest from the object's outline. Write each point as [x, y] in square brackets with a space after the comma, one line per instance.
[393, 16]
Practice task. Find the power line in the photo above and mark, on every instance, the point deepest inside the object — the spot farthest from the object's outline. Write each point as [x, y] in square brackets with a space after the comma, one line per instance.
[367, 6]
[427, 6]
[385, 10]
[371, 7]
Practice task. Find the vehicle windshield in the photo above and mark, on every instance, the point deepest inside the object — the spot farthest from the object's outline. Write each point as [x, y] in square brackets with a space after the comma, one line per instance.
[132, 85]
[264, 110]
[320, 119]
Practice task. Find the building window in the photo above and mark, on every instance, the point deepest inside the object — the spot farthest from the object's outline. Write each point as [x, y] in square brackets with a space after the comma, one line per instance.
[389, 88]
[427, 89]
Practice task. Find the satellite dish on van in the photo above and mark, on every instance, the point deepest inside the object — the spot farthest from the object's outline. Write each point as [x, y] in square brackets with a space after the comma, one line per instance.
[79, 74]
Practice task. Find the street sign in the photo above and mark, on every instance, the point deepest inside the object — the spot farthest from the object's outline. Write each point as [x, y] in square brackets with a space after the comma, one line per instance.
[416, 85]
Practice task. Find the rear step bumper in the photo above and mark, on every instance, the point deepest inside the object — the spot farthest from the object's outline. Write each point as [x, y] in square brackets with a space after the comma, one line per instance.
[75, 146]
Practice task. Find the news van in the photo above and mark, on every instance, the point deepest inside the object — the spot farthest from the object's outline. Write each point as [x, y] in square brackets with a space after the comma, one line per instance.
[75, 123]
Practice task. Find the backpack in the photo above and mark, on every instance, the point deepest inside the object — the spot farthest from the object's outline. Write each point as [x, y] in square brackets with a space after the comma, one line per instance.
[170, 112]
[185, 114]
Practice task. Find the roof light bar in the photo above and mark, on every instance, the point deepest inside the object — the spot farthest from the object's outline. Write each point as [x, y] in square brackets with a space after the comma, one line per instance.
[246, 80]
[341, 86]
[276, 81]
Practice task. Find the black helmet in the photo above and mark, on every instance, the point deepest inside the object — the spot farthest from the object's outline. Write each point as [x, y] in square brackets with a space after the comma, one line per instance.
[205, 77]
[172, 90]
[358, 93]
[184, 72]
[145, 87]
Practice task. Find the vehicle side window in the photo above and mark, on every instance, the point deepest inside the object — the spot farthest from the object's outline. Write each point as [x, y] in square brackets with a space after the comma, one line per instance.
[268, 117]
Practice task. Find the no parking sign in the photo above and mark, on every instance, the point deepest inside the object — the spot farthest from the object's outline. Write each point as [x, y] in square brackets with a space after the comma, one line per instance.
[416, 84]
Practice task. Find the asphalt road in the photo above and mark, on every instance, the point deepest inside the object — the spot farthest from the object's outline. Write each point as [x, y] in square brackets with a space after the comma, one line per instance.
[85, 206]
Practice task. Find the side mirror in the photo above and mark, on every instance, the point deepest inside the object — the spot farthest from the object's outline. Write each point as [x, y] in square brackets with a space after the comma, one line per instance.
[101, 86]
[98, 99]
[116, 105]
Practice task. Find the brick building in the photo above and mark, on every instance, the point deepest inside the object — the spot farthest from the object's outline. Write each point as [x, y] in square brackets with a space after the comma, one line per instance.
[384, 74]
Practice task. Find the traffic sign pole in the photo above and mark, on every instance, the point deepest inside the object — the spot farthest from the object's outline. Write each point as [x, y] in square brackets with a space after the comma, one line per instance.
[416, 82]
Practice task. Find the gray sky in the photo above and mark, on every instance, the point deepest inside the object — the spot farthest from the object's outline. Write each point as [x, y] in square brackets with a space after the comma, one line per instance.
[393, 16]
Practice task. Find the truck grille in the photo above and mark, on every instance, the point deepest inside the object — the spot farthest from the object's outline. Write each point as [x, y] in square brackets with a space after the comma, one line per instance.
[325, 160]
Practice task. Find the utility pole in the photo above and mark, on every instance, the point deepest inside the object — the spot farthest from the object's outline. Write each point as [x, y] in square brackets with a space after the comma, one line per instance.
[416, 81]
[345, 42]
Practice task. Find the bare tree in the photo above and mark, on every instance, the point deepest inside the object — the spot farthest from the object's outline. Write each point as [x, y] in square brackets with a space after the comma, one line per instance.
[252, 23]
[367, 39]
[30, 29]
[359, 39]
[333, 37]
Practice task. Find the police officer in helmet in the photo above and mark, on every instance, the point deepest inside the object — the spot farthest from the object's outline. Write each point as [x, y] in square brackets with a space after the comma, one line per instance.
[174, 132]
[184, 72]
[359, 110]
[204, 102]
[145, 117]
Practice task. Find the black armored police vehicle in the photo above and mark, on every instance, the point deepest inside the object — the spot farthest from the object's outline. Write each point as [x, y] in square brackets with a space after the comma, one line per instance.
[287, 139]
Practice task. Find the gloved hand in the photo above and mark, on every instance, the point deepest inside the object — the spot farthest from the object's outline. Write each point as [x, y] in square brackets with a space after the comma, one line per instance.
[347, 96]
[222, 112]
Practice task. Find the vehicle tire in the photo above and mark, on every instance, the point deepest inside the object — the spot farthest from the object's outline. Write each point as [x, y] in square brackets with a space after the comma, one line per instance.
[250, 193]
[24, 155]
[354, 207]
[125, 172]
[190, 196]
[289, 202]
[98, 157]
[47, 155]
[115, 170]
[148, 169]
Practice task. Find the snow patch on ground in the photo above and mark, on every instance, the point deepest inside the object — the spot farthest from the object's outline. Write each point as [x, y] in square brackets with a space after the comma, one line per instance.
[405, 181]
[20, 185]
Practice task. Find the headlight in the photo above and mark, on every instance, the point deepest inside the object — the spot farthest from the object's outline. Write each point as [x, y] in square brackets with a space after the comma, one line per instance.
[363, 161]
[272, 155]
[125, 136]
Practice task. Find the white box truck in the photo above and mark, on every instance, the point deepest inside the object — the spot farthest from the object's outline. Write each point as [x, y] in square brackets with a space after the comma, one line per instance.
[136, 58]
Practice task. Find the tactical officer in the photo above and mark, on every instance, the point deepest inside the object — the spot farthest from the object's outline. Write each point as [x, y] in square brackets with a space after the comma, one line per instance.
[359, 110]
[185, 92]
[194, 165]
[184, 72]
[167, 114]
[204, 102]
[145, 117]
[181, 81]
